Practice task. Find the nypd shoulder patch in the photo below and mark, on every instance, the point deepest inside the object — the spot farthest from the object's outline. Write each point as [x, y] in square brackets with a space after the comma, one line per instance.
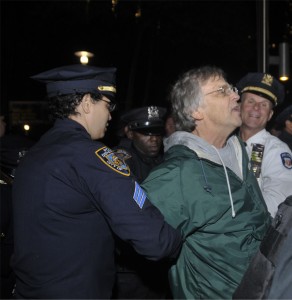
[286, 160]
[109, 158]
[122, 154]
[139, 195]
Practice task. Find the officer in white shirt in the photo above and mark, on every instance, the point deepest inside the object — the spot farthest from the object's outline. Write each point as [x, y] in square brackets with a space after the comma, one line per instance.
[270, 158]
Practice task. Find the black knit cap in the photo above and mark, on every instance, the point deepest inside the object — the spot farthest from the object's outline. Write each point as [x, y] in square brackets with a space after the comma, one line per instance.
[264, 85]
[74, 79]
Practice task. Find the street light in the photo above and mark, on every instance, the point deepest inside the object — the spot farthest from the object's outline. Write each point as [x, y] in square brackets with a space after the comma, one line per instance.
[84, 56]
[284, 61]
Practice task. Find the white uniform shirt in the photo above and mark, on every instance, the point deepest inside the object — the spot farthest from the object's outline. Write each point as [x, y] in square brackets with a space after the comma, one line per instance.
[275, 180]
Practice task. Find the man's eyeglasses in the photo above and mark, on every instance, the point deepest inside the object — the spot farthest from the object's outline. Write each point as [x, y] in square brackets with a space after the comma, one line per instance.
[111, 105]
[225, 90]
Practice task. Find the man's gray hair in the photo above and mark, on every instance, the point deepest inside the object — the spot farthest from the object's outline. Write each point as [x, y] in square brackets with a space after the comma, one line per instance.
[186, 95]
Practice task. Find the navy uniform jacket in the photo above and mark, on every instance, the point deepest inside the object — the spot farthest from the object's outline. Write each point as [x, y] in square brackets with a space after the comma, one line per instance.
[71, 196]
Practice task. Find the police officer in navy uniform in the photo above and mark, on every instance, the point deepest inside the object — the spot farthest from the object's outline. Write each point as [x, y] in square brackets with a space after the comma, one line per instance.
[72, 195]
[144, 127]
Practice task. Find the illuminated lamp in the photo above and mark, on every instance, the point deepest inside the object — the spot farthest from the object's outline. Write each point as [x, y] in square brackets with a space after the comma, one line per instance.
[84, 56]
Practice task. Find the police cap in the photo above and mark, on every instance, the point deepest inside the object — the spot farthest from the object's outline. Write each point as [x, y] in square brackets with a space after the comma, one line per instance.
[264, 85]
[148, 120]
[285, 115]
[74, 79]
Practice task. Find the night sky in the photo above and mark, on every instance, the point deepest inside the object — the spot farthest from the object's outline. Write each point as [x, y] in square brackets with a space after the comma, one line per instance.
[150, 52]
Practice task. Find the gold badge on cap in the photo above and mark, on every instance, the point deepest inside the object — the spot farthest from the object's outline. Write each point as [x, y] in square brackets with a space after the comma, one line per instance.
[267, 79]
[153, 112]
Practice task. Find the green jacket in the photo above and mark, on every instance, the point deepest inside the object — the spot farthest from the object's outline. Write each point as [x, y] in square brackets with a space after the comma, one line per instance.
[192, 194]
